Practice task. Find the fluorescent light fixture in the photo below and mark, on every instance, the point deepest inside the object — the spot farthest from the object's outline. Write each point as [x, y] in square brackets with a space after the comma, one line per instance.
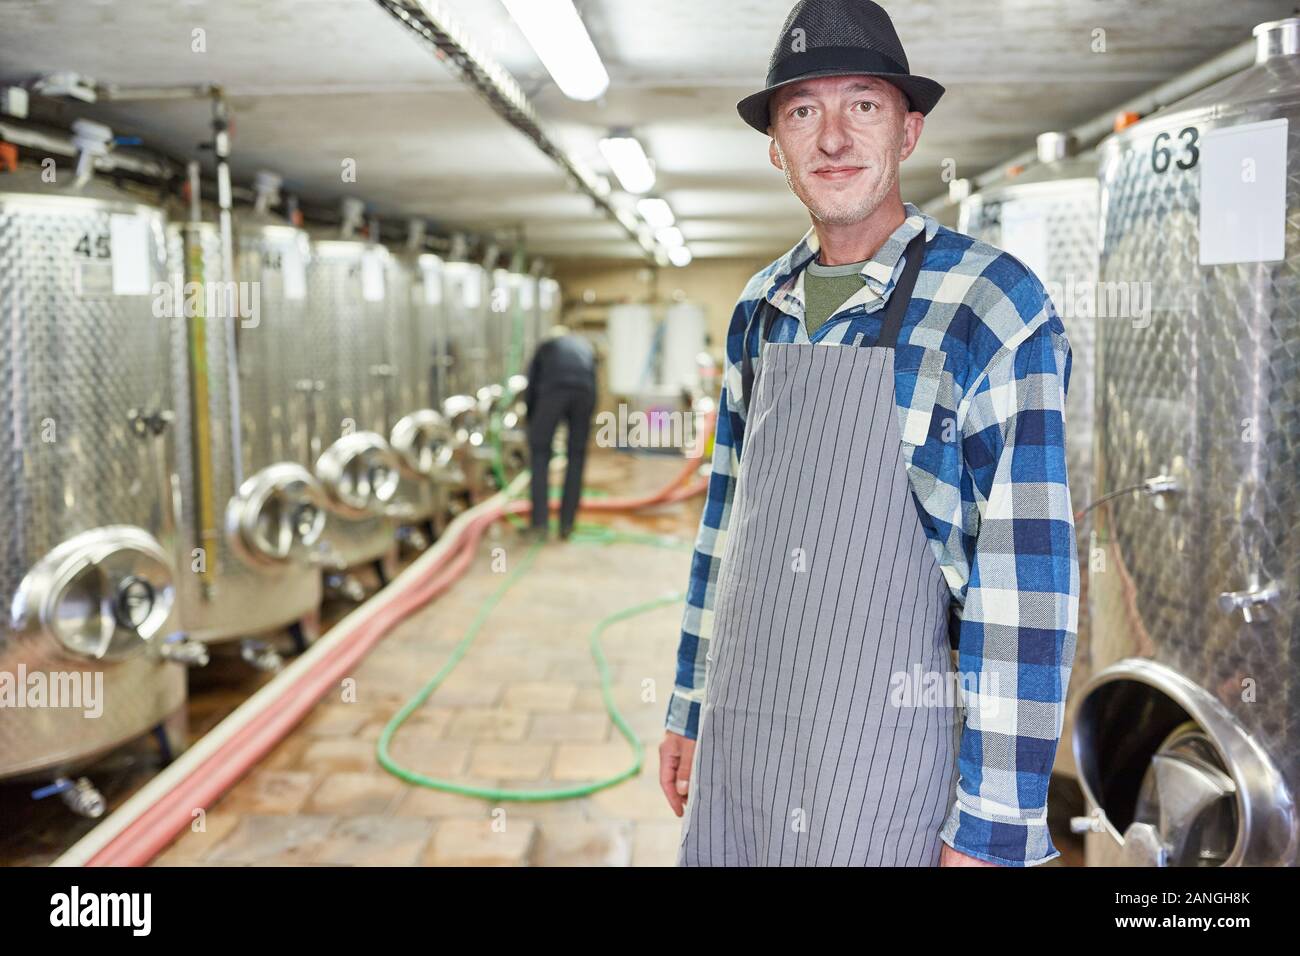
[629, 162]
[680, 256]
[671, 237]
[657, 212]
[560, 40]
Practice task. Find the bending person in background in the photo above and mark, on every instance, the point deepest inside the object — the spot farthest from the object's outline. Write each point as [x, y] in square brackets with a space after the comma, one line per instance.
[561, 388]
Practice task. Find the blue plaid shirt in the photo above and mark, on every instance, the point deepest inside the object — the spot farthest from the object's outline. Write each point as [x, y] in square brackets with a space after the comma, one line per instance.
[980, 373]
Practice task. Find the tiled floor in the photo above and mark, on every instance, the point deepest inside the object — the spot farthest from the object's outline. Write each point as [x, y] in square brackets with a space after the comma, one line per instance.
[522, 710]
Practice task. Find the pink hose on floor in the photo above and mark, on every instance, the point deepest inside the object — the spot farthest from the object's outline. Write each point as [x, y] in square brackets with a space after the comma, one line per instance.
[156, 826]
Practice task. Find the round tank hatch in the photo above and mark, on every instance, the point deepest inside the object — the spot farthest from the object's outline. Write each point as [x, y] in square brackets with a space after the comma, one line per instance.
[490, 396]
[1174, 779]
[360, 472]
[102, 594]
[466, 419]
[279, 513]
[424, 441]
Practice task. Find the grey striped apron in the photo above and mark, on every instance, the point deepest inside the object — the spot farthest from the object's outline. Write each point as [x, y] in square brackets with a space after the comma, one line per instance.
[828, 733]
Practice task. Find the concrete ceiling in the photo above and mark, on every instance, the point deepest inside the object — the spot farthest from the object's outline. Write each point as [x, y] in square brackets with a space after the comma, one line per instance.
[314, 82]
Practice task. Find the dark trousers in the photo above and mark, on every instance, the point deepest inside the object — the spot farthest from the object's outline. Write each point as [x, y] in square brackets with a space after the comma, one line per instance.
[574, 406]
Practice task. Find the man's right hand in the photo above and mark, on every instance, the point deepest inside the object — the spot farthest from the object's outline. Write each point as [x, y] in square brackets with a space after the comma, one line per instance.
[676, 754]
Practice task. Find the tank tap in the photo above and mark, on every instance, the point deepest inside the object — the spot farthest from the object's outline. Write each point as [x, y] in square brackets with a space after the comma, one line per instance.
[92, 141]
[80, 796]
[414, 538]
[1161, 489]
[1161, 485]
[347, 586]
[401, 511]
[261, 655]
[1255, 603]
[1094, 822]
[181, 650]
[326, 555]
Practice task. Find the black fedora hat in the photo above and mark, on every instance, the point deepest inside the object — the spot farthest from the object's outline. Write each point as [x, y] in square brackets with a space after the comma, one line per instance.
[838, 38]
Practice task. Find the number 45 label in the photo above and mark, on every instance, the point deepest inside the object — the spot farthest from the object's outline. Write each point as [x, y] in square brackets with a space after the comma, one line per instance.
[124, 249]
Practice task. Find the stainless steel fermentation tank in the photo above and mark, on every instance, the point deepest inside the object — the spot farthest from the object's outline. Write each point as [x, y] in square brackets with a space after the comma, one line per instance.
[430, 309]
[276, 366]
[503, 309]
[527, 321]
[512, 327]
[466, 307]
[86, 575]
[549, 306]
[467, 302]
[346, 332]
[1048, 218]
[1188, 736]
[414, 424]
[249, 521]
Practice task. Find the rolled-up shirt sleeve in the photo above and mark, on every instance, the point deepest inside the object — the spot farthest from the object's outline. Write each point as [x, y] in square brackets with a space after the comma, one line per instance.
[1020, 613]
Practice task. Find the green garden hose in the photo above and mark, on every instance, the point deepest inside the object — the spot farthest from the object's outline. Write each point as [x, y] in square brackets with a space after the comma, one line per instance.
[583, 533]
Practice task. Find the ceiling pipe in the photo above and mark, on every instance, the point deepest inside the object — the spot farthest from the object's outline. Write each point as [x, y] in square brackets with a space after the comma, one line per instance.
[61, 144]
[46, 140]
[1093, 131]
[432, 25]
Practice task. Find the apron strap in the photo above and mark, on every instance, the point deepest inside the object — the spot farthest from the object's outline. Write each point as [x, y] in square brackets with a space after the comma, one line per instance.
[901, 297]
[892, 324]
[767, 314]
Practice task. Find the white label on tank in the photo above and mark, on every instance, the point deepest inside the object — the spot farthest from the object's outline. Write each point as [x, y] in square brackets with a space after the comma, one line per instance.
[130, 243]
[432, 284]
[293, 271]
[1024, 235]
[1243, 193]
[372, 277]
[526, 294]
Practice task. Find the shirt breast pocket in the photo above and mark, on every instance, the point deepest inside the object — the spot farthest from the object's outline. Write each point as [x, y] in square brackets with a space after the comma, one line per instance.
[918, 376]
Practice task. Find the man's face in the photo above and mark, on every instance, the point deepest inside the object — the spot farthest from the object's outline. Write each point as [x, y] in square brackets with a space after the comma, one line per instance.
[840, 141]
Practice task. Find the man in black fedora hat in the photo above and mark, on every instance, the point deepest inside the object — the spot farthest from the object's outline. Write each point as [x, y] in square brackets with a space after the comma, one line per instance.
[901, 491]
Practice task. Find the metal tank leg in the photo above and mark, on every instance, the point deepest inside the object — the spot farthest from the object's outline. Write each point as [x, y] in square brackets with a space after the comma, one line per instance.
[260, 655]
[305, 631]
[386, 568]
[175, 729]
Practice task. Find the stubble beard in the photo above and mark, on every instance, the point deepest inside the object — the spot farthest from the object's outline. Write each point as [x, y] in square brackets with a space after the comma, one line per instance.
[846, 211]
